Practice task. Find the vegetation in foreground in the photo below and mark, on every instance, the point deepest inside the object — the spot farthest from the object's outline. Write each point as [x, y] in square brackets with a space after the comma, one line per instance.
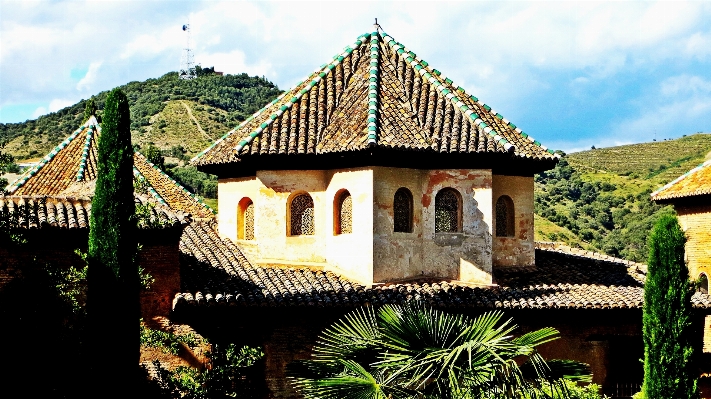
[669, 369]
[414, 351]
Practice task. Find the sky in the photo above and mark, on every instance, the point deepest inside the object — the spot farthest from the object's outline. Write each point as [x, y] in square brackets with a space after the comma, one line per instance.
[571, 74]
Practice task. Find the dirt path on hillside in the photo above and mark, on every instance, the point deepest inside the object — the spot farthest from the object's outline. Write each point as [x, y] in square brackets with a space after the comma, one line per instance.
[190, 114]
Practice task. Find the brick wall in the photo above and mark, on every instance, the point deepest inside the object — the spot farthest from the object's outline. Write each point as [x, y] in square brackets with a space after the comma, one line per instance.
[695, 220]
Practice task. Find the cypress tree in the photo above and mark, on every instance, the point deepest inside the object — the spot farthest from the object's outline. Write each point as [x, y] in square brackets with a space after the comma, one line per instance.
[89, 109]
[667, 318]
[113, 307]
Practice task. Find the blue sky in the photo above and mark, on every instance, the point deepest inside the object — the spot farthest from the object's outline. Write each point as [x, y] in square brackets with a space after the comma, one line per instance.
[571, 74]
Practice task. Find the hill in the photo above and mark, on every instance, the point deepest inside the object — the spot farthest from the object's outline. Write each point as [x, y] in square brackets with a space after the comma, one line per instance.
[166, 112]
[599, 199]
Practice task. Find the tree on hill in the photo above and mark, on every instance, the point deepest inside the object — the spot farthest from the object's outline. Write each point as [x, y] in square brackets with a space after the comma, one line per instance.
[667, 330]
[89, 109]
[113, 282]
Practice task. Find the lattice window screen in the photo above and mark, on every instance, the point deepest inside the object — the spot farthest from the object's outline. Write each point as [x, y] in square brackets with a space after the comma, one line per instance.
[302, 215]
[249, 222]
[345, 214]
[402, 209]
[447, 211]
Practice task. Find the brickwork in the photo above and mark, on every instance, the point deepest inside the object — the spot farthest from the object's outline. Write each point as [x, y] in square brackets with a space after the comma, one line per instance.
[695, 220]
[517, 248]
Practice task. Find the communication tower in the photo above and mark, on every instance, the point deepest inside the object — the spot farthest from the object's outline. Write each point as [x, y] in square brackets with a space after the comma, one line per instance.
[187, 60]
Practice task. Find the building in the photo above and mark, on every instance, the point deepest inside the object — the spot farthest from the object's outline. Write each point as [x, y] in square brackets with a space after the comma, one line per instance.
[691, 196]
[381, 169]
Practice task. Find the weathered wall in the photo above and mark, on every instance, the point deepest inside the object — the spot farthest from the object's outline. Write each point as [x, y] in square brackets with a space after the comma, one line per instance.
[350, 255]
[695, 220]
[229, 194]
[464, 255]
[270, 191]
[517, 250]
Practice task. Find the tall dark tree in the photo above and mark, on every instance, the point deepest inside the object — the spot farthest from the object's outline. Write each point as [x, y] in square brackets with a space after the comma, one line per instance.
[667, 329]
[113, 307]
[89, 109]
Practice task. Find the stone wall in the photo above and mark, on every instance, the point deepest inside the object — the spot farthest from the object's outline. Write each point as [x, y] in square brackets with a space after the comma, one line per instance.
[517, 250]
[695, 220]
[464, 255]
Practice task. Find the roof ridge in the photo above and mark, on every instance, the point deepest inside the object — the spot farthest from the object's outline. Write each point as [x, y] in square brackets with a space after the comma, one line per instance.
[680, 178]
[429, 74]
[85, 153]
[33, 171]
[373, 82]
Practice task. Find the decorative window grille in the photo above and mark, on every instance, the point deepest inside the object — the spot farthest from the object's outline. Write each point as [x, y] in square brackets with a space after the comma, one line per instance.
[402, 209]
[245, 219]
[249, 222]
[447, 211]
[302, 215]
[344, 213]
[505, 225]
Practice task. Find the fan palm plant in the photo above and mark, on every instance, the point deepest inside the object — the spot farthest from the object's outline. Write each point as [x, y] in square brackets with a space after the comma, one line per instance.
[414, 351]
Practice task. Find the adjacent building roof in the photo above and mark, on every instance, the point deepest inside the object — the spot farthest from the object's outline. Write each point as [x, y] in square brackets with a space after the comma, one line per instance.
[66, 212]
[693, 183]
[216, 273]
[70, 171]
[376, 93]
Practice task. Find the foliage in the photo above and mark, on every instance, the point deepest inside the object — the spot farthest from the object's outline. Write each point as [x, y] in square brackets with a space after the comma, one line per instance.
[669, 371]
[197, 182]
[167, 341]
[228, 375]
[414, 351]
[89, 109]
[229, 100]
[155, 156]
[610, 214]
[590, 391]
[113, 286]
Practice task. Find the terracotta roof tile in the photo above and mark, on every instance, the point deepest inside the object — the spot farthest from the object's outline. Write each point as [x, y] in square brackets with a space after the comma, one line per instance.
[67, 212]
[216, 273]
[376, 92]
[695, 182]
[70, 171]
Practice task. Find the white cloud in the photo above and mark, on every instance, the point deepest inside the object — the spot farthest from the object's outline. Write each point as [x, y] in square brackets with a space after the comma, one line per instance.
[235, 62]
[58, 103]
[90, 78]
[39, 112]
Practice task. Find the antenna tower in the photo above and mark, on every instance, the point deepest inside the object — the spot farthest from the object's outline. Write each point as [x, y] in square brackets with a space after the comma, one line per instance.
[187, 60]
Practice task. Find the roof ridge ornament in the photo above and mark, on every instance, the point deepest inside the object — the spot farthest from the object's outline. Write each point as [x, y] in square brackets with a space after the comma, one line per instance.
[373, 87]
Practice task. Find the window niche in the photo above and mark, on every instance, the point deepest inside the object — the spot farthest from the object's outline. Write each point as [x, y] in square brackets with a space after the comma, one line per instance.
[402, 211]
[245, 219]
[703, 282]
[301, 215]
[505, 217]
[343, 213]
[448, 211]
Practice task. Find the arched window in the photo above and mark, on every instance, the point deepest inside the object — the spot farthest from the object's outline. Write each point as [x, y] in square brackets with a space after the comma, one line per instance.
[448, 211]
[402, 211]
[302, 215]
[505, 226]
[343, 213]
[704, 283]
[245, 219]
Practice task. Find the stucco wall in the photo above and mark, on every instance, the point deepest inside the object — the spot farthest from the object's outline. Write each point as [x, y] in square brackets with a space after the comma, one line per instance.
[517, 250]
[348, 254]
[465, 255]
[696, 223]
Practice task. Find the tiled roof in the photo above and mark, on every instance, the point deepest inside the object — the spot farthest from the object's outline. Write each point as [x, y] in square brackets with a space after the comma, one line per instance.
[70, 170]
[695, 182]
[66, 212]
[375, 93]
[216, 273]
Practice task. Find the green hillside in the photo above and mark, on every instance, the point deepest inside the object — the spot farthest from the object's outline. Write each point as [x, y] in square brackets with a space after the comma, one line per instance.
[166, 111]
[599, 199]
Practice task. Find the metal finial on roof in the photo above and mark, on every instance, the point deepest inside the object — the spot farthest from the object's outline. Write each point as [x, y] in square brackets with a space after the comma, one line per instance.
[376, 25]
